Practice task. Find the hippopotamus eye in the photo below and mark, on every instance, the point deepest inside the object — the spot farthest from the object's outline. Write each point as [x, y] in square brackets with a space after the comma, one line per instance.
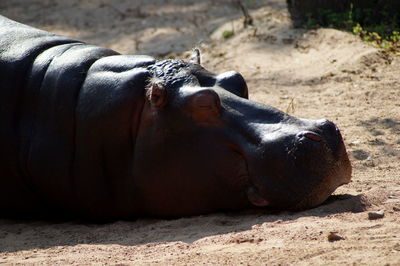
[205, 106]
[157, 94]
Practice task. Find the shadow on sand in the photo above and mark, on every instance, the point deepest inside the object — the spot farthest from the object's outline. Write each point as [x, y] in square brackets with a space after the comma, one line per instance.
[20, 235]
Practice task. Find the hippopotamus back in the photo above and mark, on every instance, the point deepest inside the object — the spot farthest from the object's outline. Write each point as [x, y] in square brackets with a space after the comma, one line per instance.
[57, 100]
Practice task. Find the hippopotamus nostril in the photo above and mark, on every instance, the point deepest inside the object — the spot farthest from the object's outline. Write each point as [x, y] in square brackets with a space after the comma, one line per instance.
[309, 135]
[313, 136]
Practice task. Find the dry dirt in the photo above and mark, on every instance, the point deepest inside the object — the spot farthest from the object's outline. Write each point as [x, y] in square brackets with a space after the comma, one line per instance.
[313, 74]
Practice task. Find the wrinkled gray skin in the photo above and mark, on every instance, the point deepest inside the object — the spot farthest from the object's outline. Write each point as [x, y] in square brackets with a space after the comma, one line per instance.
[87, 132]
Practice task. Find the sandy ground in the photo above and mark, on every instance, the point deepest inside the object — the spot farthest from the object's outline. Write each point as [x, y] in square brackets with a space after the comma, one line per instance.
[314, 74]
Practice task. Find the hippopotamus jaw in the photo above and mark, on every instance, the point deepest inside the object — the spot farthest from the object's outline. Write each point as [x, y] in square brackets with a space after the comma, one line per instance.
[335, 178]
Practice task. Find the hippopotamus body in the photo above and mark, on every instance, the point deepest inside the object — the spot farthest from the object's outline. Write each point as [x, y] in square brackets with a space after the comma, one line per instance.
[86, 131]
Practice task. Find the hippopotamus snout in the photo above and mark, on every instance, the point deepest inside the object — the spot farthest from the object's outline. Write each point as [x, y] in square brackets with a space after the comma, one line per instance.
[306, 158]
[322, 151]
[324, 140]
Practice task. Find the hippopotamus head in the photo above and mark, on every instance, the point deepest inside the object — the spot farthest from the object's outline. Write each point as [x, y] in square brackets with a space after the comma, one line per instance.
[203, 139]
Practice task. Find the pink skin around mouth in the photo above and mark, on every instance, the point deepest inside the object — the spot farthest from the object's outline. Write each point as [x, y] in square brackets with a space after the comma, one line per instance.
[255, 198]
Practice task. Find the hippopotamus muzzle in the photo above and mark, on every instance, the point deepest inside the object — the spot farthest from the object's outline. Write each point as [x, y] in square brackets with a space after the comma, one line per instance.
[303, 164]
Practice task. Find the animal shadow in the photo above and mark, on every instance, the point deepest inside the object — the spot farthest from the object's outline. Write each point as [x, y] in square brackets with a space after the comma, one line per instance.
[19, 235]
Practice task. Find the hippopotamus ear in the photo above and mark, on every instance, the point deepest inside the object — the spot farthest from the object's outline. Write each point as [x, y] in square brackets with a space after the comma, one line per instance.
[233, 82]
[157, 94]
[205, 106]
[195, 58]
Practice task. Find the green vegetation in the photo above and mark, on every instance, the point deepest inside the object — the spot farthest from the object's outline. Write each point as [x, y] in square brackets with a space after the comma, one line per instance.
[376, 24]
[378, 38]
[227, 34]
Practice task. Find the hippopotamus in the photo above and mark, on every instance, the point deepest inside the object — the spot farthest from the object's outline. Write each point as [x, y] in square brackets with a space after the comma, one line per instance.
[88, 132]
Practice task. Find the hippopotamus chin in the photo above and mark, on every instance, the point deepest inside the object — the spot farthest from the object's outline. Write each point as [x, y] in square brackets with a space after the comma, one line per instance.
[88, 132]
[202, 124]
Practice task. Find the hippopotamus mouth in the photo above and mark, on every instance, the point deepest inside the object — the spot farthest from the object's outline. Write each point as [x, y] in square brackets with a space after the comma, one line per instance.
[255, 198]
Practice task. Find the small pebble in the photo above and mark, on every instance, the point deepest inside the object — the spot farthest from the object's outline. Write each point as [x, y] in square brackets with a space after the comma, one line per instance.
[376, 215]
[333, 236]
[396, 208]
